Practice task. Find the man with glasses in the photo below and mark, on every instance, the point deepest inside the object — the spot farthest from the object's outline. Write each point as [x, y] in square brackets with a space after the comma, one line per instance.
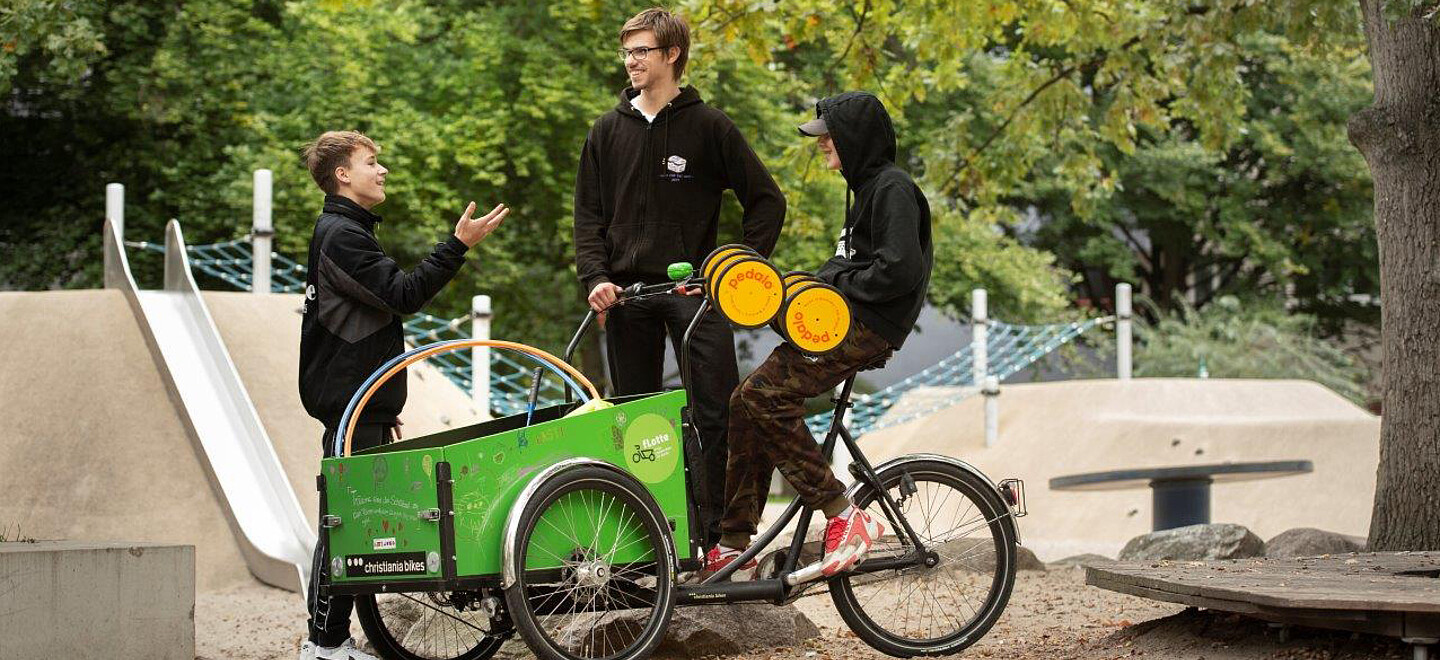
[648, 194]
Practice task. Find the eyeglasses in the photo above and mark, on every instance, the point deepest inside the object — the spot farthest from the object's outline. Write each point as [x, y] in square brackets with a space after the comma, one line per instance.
[640, 52]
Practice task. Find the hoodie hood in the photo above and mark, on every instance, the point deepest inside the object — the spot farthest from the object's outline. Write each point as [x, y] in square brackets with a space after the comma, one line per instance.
[688, 97]
[861, 130]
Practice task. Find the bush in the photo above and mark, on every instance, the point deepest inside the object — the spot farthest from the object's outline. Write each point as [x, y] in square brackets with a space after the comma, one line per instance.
[1253, 339]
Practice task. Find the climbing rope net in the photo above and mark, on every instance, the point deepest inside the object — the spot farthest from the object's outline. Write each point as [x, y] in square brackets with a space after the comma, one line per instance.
[1009, 349]
[232, 263]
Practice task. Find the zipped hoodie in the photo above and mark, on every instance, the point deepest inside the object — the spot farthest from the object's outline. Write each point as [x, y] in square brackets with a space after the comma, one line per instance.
[648, 194]
[883, 260]
[354, 296]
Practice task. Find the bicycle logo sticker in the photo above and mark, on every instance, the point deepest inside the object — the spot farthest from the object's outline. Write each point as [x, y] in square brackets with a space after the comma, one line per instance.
[652, 447]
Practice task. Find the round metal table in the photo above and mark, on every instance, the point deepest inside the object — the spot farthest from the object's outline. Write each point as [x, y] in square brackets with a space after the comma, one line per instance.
[1181, 495]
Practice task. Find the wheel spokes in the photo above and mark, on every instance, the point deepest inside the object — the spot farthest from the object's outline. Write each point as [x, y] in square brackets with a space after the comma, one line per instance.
[924, 604]
[599, 606]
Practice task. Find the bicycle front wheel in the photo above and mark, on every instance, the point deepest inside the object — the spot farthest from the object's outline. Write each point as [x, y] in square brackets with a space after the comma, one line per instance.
[594, 568]
[940, 609]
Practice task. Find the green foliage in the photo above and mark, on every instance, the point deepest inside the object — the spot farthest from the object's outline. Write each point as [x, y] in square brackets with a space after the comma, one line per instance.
[1196, 117]
[1099, 114]
[60, 34]
[1256, 338]
[1288, 203]
[482, 102]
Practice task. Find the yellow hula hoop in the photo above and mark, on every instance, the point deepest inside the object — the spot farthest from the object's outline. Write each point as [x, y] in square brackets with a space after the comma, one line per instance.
[450, 346]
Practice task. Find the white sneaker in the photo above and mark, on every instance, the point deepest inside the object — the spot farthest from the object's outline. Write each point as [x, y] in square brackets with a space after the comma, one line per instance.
[345, 651]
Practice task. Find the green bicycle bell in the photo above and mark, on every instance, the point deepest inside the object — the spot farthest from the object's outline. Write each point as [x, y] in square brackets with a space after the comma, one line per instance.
[679, 270]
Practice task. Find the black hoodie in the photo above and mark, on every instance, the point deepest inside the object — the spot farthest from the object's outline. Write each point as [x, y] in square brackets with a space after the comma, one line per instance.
[883, 260]
[354, 296]
[648, 194]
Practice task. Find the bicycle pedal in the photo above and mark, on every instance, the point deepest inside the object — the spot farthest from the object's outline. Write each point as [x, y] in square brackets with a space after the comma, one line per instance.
[809, 573]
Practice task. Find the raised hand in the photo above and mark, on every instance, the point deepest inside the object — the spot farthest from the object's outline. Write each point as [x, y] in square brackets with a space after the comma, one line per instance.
[472, 231]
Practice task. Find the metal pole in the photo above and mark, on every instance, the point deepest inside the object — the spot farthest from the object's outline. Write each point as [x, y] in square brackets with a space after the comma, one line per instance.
[992, 410]
[115, 213]
[1122, 331]
[480, 315]
[979, 335]
[115, 207]
[262, 230]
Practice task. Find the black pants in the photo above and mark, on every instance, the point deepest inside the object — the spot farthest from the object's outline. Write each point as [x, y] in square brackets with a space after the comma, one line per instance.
[636, 334]
[330, 616]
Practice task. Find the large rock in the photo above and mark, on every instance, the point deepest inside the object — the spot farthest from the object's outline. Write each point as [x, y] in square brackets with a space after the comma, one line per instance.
[978, 555]
[728, 629]
[697, 632]
[1087, 559]
[1311, 542]
[435, 634]
[1215, 541]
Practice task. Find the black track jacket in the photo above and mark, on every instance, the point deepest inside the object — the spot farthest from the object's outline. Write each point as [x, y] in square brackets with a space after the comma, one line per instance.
[883, 260]
[648, 195]
[354, 296]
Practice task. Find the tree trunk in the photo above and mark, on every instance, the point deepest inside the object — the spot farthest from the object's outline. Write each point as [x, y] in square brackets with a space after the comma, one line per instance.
[1400, 138]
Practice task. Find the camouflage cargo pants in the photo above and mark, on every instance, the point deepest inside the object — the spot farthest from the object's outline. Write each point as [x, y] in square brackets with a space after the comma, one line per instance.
[767, 428]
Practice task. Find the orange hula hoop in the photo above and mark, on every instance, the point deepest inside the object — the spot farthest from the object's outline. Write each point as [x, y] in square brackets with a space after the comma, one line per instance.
[450, 346]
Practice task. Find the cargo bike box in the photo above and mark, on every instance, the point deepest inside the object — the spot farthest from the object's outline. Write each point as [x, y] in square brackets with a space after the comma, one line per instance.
[386, 507]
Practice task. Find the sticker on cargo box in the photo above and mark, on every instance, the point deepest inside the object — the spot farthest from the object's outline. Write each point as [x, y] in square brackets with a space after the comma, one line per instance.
[400, 563]
[653, 447]
[385, 544]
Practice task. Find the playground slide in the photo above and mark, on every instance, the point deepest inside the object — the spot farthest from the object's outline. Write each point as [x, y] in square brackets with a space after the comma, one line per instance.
[263, 512]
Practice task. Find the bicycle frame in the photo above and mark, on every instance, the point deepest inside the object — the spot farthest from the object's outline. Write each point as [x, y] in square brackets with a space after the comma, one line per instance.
[790, 579]
[717, 588]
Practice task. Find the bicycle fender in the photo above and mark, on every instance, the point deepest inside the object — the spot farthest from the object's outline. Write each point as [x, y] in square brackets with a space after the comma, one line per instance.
[1009, 520]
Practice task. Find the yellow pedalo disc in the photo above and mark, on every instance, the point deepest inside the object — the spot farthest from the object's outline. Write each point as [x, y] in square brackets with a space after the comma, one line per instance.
[720, 253]
[797, 276]
[793, 279]
[816, 318]
[748, 291]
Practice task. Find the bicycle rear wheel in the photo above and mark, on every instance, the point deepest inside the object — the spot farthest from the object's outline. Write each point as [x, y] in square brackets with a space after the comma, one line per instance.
[939, 610]
[427, 626]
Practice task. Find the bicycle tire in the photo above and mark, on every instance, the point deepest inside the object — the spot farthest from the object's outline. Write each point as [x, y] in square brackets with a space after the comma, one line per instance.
[536, 591]
[879, 628]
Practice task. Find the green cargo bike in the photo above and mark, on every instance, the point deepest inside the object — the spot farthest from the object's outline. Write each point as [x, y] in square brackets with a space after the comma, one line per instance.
[576, 527]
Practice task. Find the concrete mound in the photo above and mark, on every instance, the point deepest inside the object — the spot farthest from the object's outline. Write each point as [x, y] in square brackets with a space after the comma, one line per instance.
[1055, 429]
[94, 449]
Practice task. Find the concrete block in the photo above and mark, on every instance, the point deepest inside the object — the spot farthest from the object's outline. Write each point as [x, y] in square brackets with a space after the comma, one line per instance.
[75, 599]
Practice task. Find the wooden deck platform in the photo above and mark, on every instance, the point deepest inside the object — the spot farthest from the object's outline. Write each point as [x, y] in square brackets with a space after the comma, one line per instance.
[1395, 594]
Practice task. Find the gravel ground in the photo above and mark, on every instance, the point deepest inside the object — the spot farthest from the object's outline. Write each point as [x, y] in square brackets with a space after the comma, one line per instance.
[1051, 615]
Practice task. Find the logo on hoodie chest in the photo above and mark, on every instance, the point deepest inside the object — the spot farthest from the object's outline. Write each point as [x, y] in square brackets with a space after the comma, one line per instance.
[675, 169]
[843, 248]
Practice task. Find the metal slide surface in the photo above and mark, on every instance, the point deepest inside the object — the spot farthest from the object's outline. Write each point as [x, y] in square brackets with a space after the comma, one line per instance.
[271, 529]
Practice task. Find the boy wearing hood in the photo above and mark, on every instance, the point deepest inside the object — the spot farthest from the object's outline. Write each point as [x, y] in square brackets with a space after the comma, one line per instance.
[882, 264]
[648, 193]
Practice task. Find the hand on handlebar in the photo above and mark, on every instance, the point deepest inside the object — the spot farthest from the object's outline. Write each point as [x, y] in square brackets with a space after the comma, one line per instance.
[603, 295]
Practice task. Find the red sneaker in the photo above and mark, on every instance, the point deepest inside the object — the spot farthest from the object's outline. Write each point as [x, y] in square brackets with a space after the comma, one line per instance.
[718, 558]
[847, 540]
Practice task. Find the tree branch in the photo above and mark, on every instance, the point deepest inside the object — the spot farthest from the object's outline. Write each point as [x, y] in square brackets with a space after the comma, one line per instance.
[859, 27]
[1014, 112]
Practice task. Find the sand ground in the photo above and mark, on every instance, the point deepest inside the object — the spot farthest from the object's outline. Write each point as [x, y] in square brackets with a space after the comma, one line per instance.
[1051, 615]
